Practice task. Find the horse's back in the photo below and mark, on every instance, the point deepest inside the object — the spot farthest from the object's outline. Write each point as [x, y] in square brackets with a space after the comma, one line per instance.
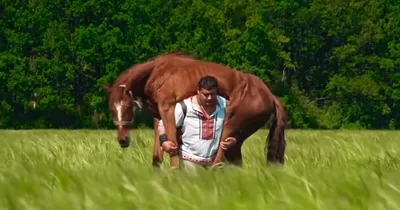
[187, 75]
[259, 92]
[183, 74]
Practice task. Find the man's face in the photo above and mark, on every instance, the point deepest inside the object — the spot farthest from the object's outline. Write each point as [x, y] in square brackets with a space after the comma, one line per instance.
[207, 97]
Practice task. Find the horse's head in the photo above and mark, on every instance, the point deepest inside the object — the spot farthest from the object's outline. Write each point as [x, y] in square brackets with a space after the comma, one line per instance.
[123, 106]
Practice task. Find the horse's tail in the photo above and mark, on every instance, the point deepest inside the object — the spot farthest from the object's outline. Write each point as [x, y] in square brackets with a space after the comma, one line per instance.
[276, 143]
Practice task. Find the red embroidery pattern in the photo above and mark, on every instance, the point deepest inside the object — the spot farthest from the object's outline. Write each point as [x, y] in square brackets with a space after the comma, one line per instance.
[201, 161]
[207, 128]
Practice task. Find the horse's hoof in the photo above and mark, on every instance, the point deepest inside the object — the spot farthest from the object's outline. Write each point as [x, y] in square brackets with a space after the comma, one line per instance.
[218, 166]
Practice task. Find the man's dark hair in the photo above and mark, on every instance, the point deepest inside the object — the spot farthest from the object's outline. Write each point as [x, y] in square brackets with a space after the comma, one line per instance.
[208, 83]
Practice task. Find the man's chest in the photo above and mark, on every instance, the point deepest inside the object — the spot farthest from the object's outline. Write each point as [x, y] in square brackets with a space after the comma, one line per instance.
[199, 126]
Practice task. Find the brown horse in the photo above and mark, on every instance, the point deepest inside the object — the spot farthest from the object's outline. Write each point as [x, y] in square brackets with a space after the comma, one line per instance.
[165, 80]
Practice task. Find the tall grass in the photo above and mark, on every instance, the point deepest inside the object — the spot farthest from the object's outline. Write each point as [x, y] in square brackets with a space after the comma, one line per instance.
[69, 169]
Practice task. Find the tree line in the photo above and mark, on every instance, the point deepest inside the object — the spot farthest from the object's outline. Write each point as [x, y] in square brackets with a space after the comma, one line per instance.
[334, 63]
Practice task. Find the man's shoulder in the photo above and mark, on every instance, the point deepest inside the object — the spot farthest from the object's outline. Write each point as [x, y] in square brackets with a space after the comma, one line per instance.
[186, 101]
[182, 105]
[222, 101]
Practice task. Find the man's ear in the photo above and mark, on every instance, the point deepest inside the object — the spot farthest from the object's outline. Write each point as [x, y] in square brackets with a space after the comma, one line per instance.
[106, 88]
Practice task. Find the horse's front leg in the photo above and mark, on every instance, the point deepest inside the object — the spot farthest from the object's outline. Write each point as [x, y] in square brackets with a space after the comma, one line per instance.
[167, 113]
[230, 126]
[227, 132]
[157, 153]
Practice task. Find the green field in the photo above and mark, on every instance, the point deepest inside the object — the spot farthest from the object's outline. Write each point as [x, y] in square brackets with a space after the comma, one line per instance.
[61, 169]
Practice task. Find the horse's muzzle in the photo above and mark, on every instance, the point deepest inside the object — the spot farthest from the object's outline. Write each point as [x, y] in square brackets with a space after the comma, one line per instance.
[124, 142]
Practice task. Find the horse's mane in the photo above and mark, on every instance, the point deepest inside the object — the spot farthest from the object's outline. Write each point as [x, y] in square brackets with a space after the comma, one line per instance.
[137, 69]
[131, 70]
[178, 53]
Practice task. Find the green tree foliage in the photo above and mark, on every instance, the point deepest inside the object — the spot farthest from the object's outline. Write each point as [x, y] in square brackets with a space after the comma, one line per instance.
[334, 63]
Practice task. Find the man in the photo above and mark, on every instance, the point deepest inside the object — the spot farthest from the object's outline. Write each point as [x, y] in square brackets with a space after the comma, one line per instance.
[201, 128]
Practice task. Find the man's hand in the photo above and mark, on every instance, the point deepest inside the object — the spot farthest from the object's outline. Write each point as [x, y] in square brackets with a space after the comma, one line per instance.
[227, 143]
[169, 147]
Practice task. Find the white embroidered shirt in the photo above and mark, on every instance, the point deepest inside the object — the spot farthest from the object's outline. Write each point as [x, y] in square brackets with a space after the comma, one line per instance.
[200, 135]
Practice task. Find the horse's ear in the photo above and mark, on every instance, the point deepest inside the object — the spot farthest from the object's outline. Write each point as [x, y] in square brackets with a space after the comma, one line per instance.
[106, 88]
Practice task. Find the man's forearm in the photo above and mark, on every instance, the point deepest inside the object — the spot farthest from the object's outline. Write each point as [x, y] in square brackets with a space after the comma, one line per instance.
[161, 131]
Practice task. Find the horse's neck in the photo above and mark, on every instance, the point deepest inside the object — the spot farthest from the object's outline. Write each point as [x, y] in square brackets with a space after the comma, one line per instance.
[139, 76]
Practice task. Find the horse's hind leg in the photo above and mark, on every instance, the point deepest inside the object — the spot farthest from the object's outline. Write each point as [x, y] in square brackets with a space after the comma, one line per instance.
[234, 154]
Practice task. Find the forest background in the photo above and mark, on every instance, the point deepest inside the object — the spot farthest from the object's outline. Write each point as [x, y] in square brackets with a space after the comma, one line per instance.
[335, 64]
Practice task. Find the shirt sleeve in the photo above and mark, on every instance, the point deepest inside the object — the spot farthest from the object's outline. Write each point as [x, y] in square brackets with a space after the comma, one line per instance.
[178, 114]
[225, 102]
[178, 119]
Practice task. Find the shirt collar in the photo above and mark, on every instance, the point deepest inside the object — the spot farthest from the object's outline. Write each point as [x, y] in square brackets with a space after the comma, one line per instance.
[217, 109]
